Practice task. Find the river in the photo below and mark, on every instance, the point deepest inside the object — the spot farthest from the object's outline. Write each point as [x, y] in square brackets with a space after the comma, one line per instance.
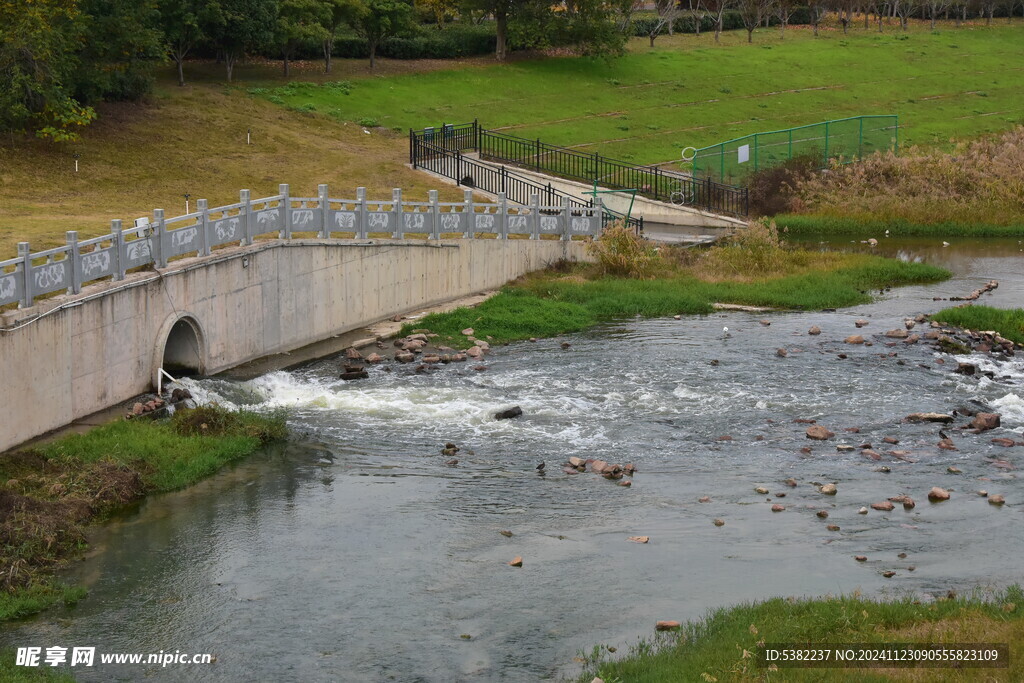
[354, 553]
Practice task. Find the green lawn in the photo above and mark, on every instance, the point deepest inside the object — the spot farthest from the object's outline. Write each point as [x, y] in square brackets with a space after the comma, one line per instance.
[687, 90]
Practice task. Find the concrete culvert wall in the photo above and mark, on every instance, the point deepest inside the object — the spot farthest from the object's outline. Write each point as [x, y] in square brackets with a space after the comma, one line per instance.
[183, 349]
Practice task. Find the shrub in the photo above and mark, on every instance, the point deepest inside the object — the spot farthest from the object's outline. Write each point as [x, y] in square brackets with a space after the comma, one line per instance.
[620, 251]
[771, 189]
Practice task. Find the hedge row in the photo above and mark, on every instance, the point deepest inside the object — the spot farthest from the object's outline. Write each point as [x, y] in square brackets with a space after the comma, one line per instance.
[452, 42]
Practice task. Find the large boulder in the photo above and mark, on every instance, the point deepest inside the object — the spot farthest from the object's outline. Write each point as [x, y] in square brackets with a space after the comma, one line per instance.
[819, 433]
[985, 421]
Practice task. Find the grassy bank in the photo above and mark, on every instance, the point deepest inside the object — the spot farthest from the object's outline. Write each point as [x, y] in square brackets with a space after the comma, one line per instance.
[49, 494]
[728, 645]
[1007, 322]
[688, 90]
[796, 224]
[755, 270]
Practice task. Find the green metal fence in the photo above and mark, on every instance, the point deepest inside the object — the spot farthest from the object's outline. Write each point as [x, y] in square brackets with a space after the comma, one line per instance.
[843, 140]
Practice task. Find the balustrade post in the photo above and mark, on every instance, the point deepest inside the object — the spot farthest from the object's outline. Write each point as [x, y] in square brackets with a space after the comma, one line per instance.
[74, 256]
[361, 228]
[435, 217]
[470, 211]
[118, 248]
[535, 217]
[566, 217]
[396, 208]
[502, 216]
[286, 211]
[325, 211]
[25, 254]
[246, 215]
[157, 240]
[204, 227]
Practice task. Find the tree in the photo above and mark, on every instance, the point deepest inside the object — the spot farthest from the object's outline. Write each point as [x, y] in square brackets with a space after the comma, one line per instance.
[38, 59]
[375, 20]
[718, 8]
[816, 10]
[122, 44]
[184, 24]
[300, 22]
[442, 10]
[935, 8]
[246, 25]
[905, 8]
[667, 10]
[752, 12]
[589, 25]
[783, 8]
[338, 13]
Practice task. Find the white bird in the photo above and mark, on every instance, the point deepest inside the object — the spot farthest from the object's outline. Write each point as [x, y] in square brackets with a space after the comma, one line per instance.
[945, 244]
[366, 131]
[725, 331]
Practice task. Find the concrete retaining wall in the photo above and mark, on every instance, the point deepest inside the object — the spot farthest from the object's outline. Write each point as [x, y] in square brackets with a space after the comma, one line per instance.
[71, 356]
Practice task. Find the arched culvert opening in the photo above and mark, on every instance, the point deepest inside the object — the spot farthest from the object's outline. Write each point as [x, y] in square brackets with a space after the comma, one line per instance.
[183, 351]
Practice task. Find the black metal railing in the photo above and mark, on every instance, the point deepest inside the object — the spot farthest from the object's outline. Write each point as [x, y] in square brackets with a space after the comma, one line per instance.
[443, 156]
[649, 181]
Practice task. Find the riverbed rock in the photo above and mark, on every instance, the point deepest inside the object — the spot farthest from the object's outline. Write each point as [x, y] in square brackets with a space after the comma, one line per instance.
[862, 511]
[815, 330]
[897, 334]
[566, 345]
[890, 440]
[718, 522]
[929, 417]
[938, 494]
[947, 445]
[888, 573]
[778, 508]
[1006, 443]
[828, 489]
[508, 413]
[639, 539]
[908, 503]
[352, 353]
[781, 353]
[432, 358]
[356, 374]
[516, 562]
[860, 558]
[791, 483]
[871, 454]
[860, 322]
[480, 368]
[996, 499]
[474, 352]
[833, 527]
[985, 421]
[667, 626]
[884, 506]
[704, 499]
[625, 482]
[845, 448]
[819, 433]
[822, 513]
[138, 409]
[761, 490]
[576, 462]
[468, 331]
[374, 358]
[629, 468]
[854, 339]
[459, 358]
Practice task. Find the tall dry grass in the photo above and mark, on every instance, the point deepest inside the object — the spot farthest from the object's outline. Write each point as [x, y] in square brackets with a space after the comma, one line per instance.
[621, 252]
[981, 181]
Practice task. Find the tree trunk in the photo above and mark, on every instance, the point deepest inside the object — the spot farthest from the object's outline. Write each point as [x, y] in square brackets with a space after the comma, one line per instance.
[718, 28]
[373, 53]
[652, 35]
[750, 35]
[328, 52]
[501, 25]
[229, 62]
[287, 64]
[866, 20]
[179, 58]
[815, 25]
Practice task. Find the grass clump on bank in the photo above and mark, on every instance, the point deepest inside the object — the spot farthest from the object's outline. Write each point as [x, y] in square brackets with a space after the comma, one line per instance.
[1008, 322]
[755, 269]
[729, 644]
[49, 494]
[977, 183]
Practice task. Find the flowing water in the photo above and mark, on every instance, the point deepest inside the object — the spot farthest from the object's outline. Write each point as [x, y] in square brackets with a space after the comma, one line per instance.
[354, 553]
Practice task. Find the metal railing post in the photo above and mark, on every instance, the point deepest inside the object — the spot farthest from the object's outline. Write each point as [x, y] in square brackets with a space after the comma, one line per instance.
[74, 256]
